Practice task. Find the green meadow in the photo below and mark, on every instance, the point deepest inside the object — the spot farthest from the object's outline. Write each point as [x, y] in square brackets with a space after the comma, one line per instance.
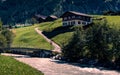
[10, 66]
[27, 37]
[60, 39]
[113, 19]
[63, 38]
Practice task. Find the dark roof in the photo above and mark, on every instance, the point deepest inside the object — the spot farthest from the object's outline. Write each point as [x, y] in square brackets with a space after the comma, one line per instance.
[53, 16]
[76, 13]
[40, 16]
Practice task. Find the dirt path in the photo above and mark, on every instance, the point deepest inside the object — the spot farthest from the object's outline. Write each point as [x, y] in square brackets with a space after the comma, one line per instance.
[54, 67]
[56, 46]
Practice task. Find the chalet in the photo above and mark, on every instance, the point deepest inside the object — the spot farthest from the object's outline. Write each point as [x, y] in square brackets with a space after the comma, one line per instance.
[40, 18]
[75, 18]
[51, 18]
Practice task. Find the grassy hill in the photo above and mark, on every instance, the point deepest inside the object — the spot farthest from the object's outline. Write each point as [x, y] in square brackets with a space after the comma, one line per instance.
[9, 66]
[27, 37]
[63, 38]
[114, 20]
[60, 37]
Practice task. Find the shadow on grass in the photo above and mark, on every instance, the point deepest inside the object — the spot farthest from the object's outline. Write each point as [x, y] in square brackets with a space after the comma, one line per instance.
[61, 29]
[58, 31]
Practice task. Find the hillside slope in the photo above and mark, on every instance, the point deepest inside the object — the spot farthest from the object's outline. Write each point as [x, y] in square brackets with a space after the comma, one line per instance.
[61, 35]
[20, 11]
[27, 37]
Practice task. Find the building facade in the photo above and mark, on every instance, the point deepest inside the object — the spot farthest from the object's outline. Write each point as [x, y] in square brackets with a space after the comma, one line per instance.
[75, 18]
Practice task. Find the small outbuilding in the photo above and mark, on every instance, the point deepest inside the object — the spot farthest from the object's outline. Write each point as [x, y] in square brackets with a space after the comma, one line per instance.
[75, 18]
[40, 18]
[51, 18]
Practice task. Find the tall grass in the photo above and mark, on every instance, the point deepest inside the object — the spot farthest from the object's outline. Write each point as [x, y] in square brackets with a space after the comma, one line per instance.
[9, 66]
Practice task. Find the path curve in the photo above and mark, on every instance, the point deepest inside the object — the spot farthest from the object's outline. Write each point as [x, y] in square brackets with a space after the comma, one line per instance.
[57, 48]
[54, 67]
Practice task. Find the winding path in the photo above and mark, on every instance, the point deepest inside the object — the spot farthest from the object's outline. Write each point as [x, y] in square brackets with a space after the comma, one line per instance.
[56, 46]
[55, 67]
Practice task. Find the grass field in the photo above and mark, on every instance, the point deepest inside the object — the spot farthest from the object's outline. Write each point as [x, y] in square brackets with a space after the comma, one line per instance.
[60, 38]
[9, 66]
[114, 21]
[28, 38]
[49, 26]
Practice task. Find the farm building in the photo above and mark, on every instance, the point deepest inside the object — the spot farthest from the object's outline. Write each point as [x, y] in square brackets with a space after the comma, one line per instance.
[40, 18]
[75, 18]
[51, 18]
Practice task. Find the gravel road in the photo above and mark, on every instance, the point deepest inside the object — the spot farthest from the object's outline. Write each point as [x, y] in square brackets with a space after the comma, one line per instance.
[55, 67]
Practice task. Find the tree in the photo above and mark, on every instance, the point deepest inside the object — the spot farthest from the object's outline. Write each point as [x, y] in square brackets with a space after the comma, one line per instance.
[74, 50]
[99, 41]
[8, 35]
[116, 46]
[2, 43]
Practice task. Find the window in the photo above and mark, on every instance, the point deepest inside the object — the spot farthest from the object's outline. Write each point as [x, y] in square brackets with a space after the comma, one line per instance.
[83, 18]
[64, 24]
[84, 23]
[88, 19]
[73, 23]
[65, 18]
[69, 18]
[73, 16]
[79, 22]
[69, 23]
[79, 17]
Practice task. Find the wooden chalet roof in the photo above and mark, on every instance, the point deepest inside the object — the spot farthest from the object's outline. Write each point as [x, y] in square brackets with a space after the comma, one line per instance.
[75, 13]
[40, 16]
[52, 16]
